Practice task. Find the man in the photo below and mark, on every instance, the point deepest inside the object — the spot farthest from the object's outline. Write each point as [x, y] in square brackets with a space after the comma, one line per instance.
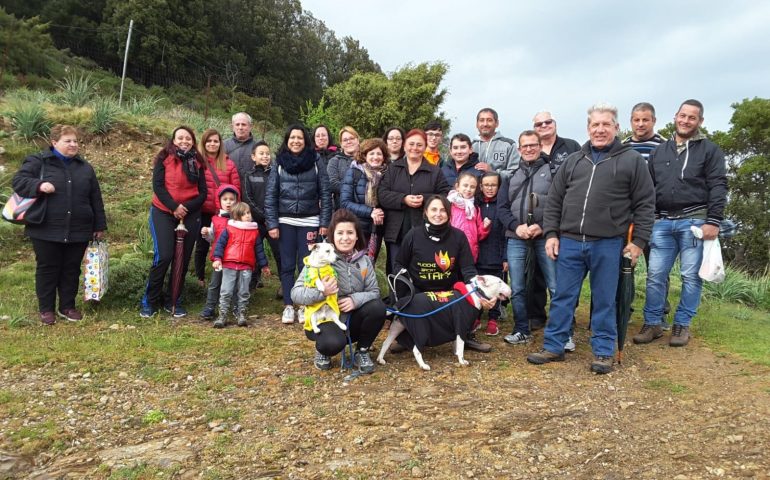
[496, 152]
[644, 140]
[239, 147]
[691, 191]
[434, 132]
[595, 195]
[557, 148]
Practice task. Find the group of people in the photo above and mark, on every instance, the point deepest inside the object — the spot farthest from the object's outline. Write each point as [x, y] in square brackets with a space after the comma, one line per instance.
[481, 210]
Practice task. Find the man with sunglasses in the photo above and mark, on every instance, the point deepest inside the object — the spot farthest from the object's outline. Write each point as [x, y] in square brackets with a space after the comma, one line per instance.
[496, 152]
[555, 146]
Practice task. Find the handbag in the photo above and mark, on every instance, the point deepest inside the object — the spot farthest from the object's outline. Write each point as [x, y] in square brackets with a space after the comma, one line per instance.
[96, 263]
[26, 210]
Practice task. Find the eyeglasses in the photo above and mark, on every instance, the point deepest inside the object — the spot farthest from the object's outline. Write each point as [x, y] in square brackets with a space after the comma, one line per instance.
[349, 139]
[489, 185]
[394, 139]
[530, 146]
[543, 123]
[432, 134]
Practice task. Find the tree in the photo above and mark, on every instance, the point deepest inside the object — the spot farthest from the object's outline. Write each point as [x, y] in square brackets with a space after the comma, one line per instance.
[371, 102]
[747, 146]
[26, 47]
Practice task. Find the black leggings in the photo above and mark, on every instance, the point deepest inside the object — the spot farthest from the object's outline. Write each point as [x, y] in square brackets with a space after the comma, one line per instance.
[365, 324]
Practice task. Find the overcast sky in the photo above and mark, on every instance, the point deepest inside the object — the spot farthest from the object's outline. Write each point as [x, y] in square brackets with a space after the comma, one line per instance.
[563, 56]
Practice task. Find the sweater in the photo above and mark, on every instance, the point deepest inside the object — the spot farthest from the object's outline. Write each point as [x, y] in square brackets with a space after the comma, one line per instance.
[499, 152]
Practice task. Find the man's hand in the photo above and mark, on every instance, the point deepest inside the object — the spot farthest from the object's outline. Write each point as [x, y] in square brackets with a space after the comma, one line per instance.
[505, 266]
[534, 230]
[634, 251]
[710, 232]
[484, 167]
[274, 233]
[523, 232]
[552, 248]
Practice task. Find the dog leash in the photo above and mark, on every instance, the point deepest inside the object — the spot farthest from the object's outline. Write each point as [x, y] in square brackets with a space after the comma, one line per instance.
[348, 362]
[432, 312]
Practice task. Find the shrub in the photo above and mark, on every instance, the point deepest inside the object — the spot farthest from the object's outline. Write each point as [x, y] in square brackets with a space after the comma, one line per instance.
[147, 106]
[29, 120]
[105, 113]
[128, 276]
[77, 90]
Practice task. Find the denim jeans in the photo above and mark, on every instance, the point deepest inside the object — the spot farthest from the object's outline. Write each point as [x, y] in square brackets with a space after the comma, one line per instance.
[669, 239]
[517, 260]
[234, 283]
[215, 284]
[602, 258]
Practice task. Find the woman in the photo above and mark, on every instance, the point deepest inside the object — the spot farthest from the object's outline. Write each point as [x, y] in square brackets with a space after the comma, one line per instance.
[219, 170]
[394, 139]
[357, 295]
[359, 192]
[297, 205]
[74, 215]
[322, 143]
[339, 164]
[407, 181]
[179, 189]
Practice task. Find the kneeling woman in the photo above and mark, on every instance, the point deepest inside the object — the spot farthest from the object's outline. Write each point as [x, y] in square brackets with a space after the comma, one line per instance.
[357, 292]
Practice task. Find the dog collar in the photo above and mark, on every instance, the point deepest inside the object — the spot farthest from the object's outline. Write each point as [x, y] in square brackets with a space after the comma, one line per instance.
[472, 299]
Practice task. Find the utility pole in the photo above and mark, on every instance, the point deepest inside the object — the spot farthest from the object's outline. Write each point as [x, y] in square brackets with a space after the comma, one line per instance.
[125, 62]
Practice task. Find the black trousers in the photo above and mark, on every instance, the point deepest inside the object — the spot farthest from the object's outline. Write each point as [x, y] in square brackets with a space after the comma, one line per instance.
[202, 249]
[57, 271]
[537, 297]
[365, 324]
[162, 227]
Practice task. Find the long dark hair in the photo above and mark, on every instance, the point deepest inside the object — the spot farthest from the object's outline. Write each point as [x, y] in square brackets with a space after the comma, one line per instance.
[170, 149]
[403, 139]
[346, 216]
[284, 148]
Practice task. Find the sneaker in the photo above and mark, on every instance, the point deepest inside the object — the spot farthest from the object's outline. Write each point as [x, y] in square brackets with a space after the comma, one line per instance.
[517, 338]
[570, 345]
[288, 315]
[323, 362]
[146, 311]
[71, 315]
[680, 336]
[364, 362]
[602, 365]
[301, 314]
[220, 322]
[476, 325]
[647, 334]
[207, 313]
[178, 312]
[544, 356]
[47, 318]
[241, 319]
[492, 329]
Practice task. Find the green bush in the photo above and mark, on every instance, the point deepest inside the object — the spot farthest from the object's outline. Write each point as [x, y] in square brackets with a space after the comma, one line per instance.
[147, 106]
[128, 276]
[29, 120]
[105, 114]
[77, 89]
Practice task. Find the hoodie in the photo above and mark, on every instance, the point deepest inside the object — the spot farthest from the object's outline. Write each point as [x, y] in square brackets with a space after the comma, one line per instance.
[499, 152]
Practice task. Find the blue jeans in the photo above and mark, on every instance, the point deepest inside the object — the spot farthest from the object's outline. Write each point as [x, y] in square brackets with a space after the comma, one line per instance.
[669, 239]
[517, 259]
[602, 259]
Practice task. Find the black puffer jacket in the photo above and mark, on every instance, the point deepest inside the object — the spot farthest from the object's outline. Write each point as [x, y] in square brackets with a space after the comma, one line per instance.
[305, 194]
[75, 210]
[397, 184]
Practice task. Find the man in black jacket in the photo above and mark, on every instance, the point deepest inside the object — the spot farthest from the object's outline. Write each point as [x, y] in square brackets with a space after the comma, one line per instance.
[690, 191]
[595, 195]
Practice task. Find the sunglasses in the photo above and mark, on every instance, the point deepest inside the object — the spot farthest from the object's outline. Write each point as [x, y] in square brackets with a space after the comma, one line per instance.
[543, 123]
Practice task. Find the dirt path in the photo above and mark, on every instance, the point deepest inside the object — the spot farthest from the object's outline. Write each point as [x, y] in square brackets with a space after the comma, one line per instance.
[665, 413]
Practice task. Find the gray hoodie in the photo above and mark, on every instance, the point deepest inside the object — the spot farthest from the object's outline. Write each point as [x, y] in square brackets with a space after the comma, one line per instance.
[499, 152]
[356, 279]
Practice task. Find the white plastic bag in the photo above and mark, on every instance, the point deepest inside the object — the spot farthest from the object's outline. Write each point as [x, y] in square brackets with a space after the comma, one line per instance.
[712, 269]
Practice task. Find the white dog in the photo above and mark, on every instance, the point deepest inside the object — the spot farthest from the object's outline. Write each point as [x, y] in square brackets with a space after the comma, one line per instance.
[452, 323]
[318, 265]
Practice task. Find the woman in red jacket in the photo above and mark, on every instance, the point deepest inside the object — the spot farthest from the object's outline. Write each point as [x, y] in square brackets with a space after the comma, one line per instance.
[220, 170]
[179, 189]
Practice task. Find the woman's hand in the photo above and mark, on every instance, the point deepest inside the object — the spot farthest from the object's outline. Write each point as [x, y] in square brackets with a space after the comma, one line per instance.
[46, 187]
[487, 223]
[274, 233]
[99, 235]
[329, 286]
[522, 231]
[323, 231]
[346, 304]
[413, 201]
[217, 265]
[180, 212]
[205, 231]
[378, 216]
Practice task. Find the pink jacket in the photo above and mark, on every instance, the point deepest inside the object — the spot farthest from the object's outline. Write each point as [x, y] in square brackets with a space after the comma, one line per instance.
[473, 228]
[229, 175]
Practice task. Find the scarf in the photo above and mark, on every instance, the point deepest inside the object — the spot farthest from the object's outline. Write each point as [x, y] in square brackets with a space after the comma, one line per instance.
[373, 175]
[189, 164]
[296, 164]
[437, 232]
[464, 203]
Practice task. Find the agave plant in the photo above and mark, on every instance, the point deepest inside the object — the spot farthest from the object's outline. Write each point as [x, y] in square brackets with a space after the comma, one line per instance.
[77, 90]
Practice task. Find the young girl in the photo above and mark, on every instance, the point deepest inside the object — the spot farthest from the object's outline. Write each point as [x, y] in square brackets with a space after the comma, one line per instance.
[255, 186]
[492, 255]
[465, 215]
[235, 253]
[179, 189]
[226, 197]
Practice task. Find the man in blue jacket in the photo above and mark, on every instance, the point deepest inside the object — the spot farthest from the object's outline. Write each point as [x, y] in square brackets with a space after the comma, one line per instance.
[594, 197]
[690, 191]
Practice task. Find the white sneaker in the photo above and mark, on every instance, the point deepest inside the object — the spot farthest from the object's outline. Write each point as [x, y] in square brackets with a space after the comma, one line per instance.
[301, 314]
[288, 315]
[570, 345]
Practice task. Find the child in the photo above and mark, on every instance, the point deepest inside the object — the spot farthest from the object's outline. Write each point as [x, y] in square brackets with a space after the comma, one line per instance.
[236, 253]
[255, 187]
[227, 196]
[492, 256]
[466, 216]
